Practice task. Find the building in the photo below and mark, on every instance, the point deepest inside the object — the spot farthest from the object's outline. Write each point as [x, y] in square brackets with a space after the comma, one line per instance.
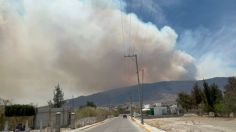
[160, 110]
[47, 117]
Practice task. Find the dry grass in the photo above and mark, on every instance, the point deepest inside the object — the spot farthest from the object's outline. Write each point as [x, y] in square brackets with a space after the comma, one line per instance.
[194, 124]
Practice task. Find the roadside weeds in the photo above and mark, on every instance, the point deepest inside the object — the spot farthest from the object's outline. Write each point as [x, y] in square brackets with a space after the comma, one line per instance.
[145, 126]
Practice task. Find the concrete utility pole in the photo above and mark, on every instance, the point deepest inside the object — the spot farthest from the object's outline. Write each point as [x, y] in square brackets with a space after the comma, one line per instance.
[142, 91]
[131, 110]
[139, 88]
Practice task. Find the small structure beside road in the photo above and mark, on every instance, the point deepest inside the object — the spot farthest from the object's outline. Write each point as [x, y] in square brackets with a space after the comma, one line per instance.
[160, 109]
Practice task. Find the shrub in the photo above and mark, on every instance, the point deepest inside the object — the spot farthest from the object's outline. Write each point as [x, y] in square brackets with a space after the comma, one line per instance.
[19, 110]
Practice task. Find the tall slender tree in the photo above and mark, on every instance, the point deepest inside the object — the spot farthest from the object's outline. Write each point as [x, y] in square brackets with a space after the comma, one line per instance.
[197, 95]
[230, 95]
[58, 98]
[212, 96]
[207, 98]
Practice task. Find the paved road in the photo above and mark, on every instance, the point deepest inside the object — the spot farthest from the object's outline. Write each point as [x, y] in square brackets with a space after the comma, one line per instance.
[116, 125]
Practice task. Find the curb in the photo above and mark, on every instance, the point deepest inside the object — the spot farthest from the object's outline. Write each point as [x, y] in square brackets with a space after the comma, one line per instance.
[89, 126]
[145, 126]
[92, 125]
[139, 124]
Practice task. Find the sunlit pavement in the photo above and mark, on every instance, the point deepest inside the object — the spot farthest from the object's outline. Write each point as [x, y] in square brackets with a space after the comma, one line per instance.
[115, 125]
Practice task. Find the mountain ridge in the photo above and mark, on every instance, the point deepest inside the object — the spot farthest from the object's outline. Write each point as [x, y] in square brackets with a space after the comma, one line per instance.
[152, 92]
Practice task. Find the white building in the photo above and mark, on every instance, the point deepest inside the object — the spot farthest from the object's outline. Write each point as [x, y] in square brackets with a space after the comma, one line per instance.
[146, 107]
[159, 110]
[157, 104]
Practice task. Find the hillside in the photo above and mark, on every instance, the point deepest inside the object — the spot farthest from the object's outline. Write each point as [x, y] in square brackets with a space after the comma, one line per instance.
[152, 92]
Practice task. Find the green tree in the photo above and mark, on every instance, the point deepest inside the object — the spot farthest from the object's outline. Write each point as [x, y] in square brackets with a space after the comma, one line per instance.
[86, 112]
[19, 110]
[197, 95]
[217, 98]
[216, 94]
[185, 101]
[91, 104]
[2, 117]
[58, 98]
[230, 95]
[121, 110]
[212, 96]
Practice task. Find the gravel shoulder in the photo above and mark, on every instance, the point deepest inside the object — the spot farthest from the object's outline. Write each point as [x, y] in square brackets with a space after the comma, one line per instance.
[194, 123]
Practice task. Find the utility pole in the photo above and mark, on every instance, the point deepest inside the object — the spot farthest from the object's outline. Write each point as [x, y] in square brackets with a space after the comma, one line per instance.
[131, 112]
[73, 103]
[139, 88]
[142, 91]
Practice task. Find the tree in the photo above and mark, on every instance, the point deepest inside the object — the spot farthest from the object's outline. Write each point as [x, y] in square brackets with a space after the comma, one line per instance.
[58, 98]
[50, 104]
[208, 105]
[217, 98]
[212, 97]
[196, 95]
[121, 110]
[230, 95]
[91, 104]
[216, 94]
[185, 101]
[6, 102]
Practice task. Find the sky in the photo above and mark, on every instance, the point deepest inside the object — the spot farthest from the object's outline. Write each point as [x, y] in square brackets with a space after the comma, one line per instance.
[80, 44]
[205, 28]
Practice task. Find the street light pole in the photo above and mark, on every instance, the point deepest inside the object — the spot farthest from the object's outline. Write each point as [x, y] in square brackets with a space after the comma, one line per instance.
[139, 87]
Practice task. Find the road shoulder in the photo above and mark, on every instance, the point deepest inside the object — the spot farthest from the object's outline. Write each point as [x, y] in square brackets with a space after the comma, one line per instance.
[145, 126]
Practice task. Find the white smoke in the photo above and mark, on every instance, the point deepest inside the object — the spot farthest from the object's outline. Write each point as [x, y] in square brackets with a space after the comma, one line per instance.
[80, 44]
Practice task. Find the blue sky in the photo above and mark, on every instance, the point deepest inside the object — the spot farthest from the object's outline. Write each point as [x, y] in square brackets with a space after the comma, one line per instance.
[206, 30]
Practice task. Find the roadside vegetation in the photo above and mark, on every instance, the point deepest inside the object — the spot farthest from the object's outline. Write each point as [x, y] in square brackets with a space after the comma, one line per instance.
[15, 114]
[209, 98]
[91, 110]
[2, 117]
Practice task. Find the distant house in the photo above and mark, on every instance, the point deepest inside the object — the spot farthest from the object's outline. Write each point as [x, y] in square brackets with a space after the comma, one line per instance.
[160, 110]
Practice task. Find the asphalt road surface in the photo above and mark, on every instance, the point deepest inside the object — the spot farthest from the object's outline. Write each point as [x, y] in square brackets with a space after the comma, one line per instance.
[116, 125]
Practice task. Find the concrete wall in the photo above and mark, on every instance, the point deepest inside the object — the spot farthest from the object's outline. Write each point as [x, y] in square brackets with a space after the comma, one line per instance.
[49, 118]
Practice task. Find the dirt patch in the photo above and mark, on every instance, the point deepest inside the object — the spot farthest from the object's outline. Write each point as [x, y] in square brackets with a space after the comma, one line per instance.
[194, 124]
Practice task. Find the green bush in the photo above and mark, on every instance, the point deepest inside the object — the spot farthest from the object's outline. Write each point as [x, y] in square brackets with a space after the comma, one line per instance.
[92, 112]
[19, 110]
[86, 112]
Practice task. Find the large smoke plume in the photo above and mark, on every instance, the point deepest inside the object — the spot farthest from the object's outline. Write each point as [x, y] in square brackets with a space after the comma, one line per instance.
[80, 44]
